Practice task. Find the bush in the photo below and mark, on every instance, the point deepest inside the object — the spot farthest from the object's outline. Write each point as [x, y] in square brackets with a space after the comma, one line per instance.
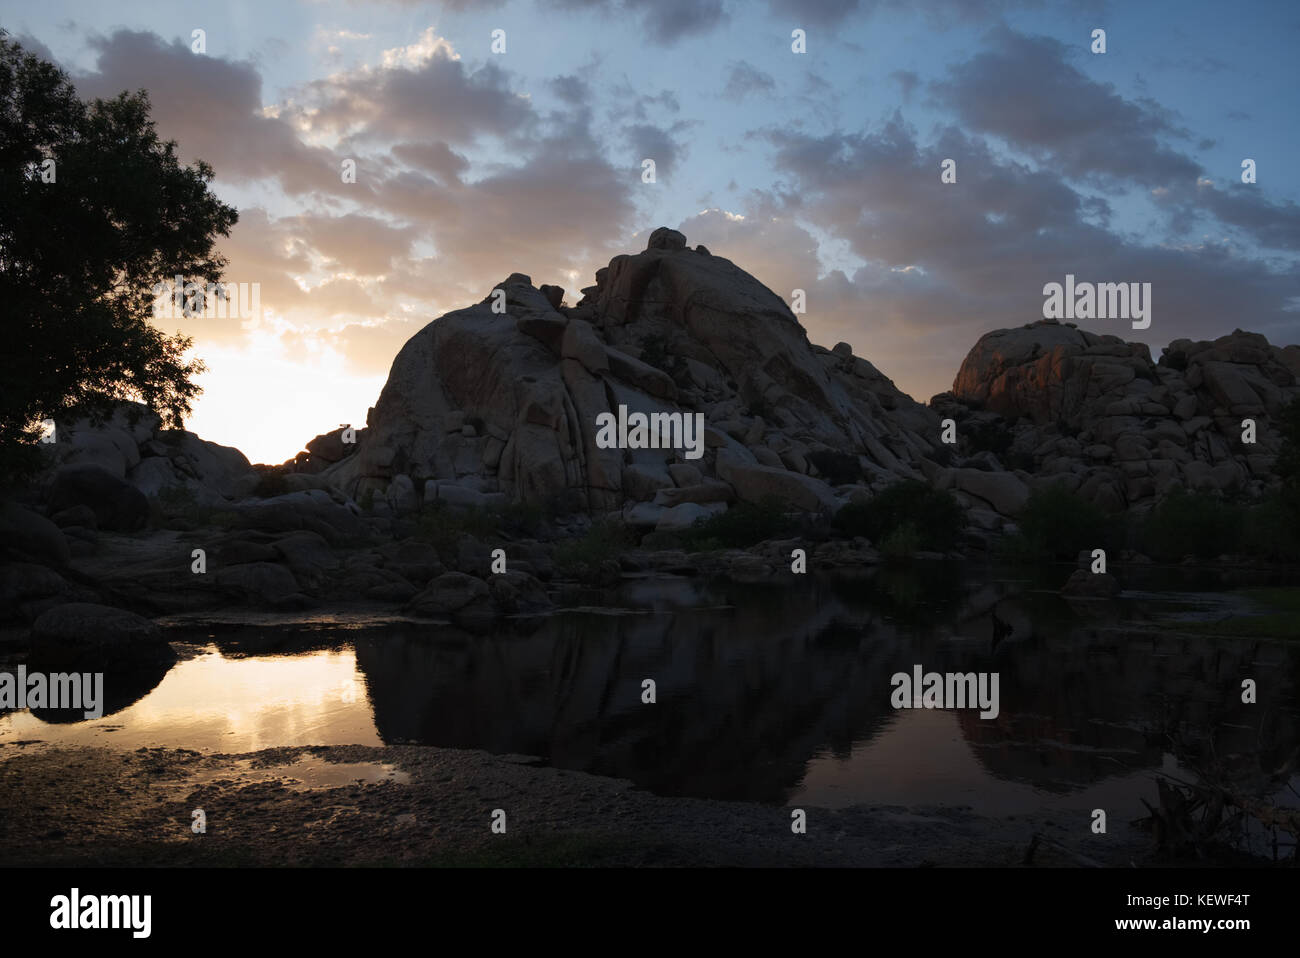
[1287, 464]
[582, 557]
[935, 517]
[743, 525]
[1058, 524]
[1271, 528]
[442, 525]
[902, 542]
[177, 507]
[1192, 523]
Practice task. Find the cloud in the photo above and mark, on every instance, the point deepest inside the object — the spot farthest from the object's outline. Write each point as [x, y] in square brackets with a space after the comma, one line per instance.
[655, 143]
[663, 21]
[744, 79]
[667, 21]
[938, 13]
[359, 244]
[437, 158]
[817, 12]
[907, 83]
[1015, 91]
[422, 91]
[946, 263]
[1025, 91]
[213, 108]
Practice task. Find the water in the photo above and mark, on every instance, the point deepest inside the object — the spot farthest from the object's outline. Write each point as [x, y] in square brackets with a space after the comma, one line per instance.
[771, 694]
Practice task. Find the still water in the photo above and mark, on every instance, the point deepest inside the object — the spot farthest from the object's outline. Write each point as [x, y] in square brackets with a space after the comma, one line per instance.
[772, 694]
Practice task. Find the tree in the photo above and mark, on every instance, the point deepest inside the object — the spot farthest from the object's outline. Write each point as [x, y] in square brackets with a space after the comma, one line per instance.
[82, 245]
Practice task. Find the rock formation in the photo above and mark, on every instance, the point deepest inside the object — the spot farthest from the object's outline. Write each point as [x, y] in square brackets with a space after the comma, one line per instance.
[498, 403]
[1096, 414]
[487, 405]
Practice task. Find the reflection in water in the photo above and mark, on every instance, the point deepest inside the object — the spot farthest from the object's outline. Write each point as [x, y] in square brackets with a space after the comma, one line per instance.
[120, 689]
[768, 694]
[230, 705]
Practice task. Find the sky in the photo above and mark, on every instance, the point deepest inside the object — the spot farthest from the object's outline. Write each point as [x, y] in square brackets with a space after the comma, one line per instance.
[816, 170]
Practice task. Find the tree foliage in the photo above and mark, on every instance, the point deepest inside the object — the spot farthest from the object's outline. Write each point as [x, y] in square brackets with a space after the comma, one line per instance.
[80, 255]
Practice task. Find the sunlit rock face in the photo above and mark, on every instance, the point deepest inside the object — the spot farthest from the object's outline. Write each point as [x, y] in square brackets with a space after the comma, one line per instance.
[502, 398]
[1098, 415]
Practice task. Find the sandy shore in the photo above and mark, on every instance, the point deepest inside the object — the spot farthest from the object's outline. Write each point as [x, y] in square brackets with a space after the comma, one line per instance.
[415, 805]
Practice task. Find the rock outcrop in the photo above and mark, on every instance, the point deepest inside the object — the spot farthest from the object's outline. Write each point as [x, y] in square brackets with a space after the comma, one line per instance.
[1095, 413]
[114, 467]
[501, 399]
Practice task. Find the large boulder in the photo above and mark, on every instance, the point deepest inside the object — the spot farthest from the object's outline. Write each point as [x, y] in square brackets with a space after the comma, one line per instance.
[313, 510]
[28, 589]
[82, 635]
[1004, 491]
[260, 584]
[756, 483]
[465, 598]
[26, 533]
[117, 504]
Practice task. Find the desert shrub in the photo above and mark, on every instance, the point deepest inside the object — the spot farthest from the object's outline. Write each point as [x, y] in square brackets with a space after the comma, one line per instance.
[603, 541]
[902, 542]
[743, 525]
[176, 507]
[1287, 464]
[1271, 527]
[442, 525]
[1191, 523]
[936, 518]
[1057, 523]
[837, 468]
[523, 518]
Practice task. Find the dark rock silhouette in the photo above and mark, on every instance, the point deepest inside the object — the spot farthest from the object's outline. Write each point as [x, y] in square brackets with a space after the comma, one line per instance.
[1096, 414]
[484, 406]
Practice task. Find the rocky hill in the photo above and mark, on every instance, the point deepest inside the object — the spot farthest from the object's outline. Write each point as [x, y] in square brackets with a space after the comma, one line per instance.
[484, 406]
[1097, 414]
[499, 403]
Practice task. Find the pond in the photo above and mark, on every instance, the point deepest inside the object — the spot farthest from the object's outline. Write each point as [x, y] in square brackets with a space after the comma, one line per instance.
[770, 694]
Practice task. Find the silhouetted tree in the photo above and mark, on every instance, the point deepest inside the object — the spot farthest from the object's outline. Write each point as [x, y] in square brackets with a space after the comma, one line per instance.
[82, 244]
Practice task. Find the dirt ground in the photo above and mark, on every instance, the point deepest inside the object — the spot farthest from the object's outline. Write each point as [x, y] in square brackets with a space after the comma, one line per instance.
[423, 806]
